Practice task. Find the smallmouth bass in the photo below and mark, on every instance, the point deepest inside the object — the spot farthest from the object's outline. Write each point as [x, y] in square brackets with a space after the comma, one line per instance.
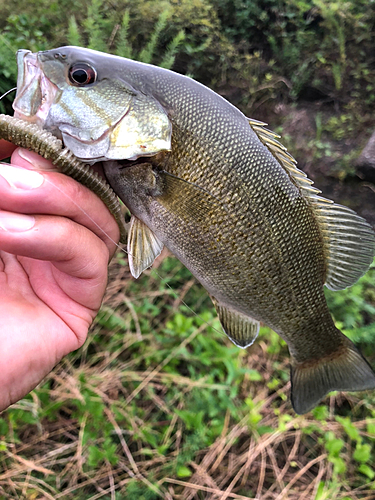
[221, 193]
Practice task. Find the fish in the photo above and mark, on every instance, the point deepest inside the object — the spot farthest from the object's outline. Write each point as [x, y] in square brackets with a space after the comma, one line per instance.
[218, 190]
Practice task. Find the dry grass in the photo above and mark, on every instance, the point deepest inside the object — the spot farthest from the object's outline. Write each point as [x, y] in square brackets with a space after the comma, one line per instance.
[114, 392]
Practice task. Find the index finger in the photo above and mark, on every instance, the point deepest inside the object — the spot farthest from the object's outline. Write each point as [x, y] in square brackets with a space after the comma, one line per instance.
[60, 195]
[6, 149]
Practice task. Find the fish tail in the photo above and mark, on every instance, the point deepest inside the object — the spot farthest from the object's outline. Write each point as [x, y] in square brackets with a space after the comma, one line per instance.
[343, 370]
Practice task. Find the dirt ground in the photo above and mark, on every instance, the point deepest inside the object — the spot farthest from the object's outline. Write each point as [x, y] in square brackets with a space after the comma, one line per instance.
[298, 130]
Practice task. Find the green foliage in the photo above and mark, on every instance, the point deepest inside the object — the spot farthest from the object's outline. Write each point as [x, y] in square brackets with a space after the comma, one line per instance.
[267, 50]
[140, 491]
[123, 46]
[335, 14]
[354, 310]
[313, 42]
[158, 383]
[95, 31]
[183, 472]
[74, 36]
[21, 32]
[148, 51]
[94, 26]
[334, 446]
[363, 453]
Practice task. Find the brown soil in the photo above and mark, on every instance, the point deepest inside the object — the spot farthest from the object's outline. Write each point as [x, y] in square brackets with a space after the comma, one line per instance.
[355, 189]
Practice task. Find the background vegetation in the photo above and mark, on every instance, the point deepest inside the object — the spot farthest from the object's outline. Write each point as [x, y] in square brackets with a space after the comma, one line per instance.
[158, 403]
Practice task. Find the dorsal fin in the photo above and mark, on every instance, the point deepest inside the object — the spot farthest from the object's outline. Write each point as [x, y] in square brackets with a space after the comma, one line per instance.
[349, 239]
[350, 243]
[269, 139]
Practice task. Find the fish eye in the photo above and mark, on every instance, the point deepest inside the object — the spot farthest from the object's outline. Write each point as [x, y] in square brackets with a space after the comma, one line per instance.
[81, 74]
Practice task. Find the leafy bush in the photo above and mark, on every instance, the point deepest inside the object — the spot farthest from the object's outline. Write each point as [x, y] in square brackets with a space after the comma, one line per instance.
[354, 310]
[20, 32]
[314, 43]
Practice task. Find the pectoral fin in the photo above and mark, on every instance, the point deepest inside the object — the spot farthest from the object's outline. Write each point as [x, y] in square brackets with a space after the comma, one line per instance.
[242, 330]
[143, 247]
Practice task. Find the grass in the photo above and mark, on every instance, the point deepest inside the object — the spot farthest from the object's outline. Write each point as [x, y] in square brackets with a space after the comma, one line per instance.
[159, 404]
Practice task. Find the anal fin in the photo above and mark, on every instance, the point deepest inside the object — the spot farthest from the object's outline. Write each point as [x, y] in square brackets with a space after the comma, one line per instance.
[143, 247]
[346, 370]
[242, 330]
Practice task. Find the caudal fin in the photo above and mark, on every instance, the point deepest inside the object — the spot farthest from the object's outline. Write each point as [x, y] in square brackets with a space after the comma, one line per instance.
[312, 380]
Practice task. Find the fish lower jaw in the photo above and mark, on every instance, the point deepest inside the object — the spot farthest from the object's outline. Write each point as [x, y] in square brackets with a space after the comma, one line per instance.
[35, 119]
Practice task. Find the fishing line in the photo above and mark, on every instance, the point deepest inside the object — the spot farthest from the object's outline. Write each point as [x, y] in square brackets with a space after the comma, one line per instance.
[198, 187]
[163, 280]
[8, 92]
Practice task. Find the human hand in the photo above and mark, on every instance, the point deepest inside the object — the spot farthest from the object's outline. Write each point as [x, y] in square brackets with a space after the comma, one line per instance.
[53, 268]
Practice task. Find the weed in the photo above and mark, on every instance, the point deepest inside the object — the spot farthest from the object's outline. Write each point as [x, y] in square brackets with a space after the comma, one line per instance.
[159, 404]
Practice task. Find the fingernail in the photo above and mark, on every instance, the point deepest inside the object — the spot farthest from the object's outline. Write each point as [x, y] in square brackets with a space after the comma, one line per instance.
[16, 222]
[21, 178]
[35, 160]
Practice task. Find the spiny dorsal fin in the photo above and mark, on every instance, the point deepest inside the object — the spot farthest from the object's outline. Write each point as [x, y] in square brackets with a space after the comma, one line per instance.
[143, 247]
[349, 240]
[269, 139]
[242, 330]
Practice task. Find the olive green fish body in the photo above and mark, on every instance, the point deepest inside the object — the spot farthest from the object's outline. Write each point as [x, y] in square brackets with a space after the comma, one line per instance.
[221, 193]
[255, 247]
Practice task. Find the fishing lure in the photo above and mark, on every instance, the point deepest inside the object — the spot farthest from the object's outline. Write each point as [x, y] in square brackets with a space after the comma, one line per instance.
[30, 136]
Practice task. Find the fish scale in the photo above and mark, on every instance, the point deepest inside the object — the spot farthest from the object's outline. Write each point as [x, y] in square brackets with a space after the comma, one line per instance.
[223, 195]
[261, 271]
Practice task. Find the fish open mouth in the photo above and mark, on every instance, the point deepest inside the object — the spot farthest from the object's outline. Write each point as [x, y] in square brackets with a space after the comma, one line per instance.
[35, 92]
[35, 96]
